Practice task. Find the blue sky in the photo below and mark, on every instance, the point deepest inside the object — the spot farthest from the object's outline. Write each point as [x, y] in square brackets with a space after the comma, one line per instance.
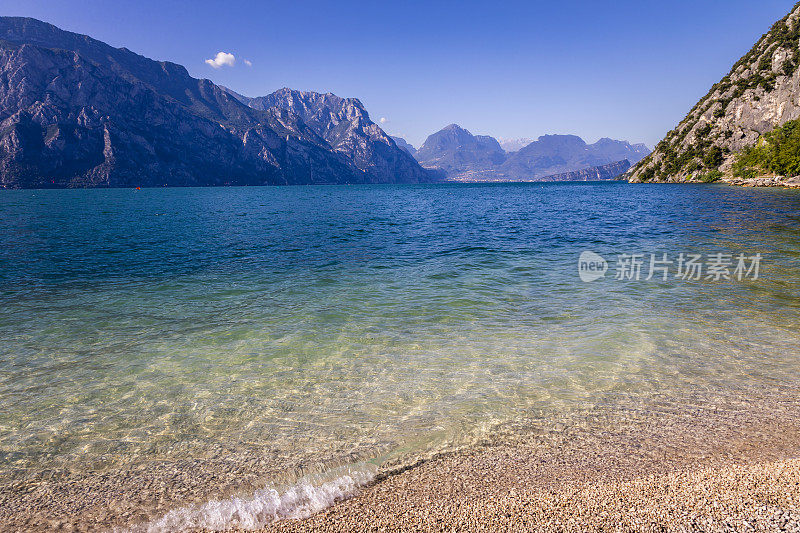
[622, 69]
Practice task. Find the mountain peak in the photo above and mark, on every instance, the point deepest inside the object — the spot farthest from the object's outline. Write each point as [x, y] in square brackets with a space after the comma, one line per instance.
[28, 27]
[454, 149]
[455, 129]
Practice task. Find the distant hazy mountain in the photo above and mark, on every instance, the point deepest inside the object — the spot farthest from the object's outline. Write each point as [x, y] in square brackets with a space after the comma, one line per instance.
[467, 157]
[402, 143]
[512, 145]
[455, 150]
[75, 112]
[556, 154]
[598, 173]
[618, 150]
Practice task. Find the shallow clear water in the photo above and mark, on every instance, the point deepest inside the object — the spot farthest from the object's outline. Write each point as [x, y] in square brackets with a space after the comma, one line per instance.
[367, 322]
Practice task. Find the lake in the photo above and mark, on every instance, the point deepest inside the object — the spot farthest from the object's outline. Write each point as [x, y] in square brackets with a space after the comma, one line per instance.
[295, 331]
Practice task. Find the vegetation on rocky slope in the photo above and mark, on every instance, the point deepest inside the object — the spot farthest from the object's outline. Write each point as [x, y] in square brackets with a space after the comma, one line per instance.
[711, 134]
[777, 152]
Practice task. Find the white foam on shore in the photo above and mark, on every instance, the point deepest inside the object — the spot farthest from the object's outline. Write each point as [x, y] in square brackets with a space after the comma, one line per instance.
[309, 495]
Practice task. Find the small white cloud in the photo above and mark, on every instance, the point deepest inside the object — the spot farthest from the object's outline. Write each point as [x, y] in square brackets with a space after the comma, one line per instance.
[248, 62]
[384, 120]
[222, 59]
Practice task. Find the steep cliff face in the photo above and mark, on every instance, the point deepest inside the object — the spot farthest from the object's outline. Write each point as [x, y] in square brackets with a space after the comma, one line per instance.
[75, 112]
[761, 92]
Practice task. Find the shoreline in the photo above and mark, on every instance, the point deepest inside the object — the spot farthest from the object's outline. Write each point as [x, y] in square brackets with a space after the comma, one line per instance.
[528, 472]
[680, 476]
[764, 181]
[729, 496]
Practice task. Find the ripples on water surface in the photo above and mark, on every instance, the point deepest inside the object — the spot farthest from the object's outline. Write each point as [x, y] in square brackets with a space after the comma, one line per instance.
[366, 322]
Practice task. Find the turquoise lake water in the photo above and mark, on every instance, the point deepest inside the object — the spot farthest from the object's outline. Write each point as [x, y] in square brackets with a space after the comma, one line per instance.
[372, 321]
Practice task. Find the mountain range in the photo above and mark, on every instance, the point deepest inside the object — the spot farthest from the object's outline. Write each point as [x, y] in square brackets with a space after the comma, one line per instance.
[76, 112]
[463, 156]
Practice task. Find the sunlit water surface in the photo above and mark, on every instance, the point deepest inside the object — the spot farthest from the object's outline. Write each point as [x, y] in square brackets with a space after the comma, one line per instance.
[367, 322]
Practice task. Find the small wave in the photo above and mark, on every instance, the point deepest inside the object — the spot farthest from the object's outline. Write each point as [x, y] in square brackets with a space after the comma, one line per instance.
[309, 495]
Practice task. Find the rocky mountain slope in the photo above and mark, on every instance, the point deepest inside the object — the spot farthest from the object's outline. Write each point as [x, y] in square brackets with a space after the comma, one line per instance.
[345, 125]
[467, 157]
[75, 112]
[761, 92]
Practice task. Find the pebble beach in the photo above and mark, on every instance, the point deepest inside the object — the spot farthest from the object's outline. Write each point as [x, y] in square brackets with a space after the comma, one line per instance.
[689, 472]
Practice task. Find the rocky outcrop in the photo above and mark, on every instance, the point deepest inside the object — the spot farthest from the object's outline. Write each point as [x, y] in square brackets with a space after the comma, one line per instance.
[761, 92]
[769, 181]
[75, 112]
